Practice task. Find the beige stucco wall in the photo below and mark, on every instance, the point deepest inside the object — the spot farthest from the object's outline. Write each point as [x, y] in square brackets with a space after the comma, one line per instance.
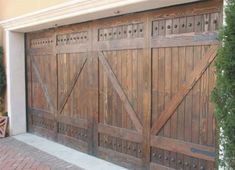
[13, 8]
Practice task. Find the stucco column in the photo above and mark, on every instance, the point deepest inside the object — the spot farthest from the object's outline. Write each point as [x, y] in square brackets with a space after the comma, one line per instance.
[15, 71]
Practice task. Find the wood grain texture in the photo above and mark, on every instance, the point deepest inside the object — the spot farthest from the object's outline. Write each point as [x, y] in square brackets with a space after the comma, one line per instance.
[121, 94]
[130, 89]
[187, 148]
[184, 89]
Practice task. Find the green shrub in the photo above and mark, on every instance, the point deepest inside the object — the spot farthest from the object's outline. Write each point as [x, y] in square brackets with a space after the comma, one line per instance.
[2, 74]
[224, 93]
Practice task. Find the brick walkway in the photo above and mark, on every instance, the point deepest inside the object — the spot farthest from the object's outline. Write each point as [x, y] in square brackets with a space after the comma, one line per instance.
[15, 155]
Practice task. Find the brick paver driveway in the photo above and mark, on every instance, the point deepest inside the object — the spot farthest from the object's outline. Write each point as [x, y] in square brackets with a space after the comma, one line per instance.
[15, 155]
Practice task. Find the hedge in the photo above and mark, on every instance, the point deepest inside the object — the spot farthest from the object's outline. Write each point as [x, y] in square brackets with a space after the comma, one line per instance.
[2, 74]
[223, 94]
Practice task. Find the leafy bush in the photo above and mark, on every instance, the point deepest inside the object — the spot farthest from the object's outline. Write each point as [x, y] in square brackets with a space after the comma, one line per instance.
[2, 74]
[224, 93]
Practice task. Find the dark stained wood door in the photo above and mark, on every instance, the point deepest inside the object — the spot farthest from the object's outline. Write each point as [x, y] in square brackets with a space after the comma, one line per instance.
[123, 69]
[132, 89]
[61, 87]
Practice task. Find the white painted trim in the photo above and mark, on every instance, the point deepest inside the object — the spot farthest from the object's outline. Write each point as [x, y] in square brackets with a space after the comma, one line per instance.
[82, 10]
[15, 71]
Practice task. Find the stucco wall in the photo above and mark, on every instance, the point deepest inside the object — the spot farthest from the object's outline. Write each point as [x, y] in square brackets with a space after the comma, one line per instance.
[13, 8]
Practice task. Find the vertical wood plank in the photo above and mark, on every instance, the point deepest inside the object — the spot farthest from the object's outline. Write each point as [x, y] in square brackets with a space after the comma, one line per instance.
[168, 26]
[94, 78]
[181, 108]
[198, 23]
[147, 52]
[206, 22]
[174, 89]
[155, 28]
[182, 25]
[119, 104]
[168, 83]
[196, 102]
[176, 26]
[162, 27]
[161, 94]
[155, 63]
[129, 85]
[188, 101]
[214, 21]
[124, 80]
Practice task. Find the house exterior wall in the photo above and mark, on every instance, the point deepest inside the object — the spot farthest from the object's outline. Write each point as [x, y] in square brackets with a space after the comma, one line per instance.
[13, 8]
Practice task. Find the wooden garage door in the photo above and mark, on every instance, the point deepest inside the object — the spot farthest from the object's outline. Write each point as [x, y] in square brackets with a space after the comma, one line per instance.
[131, 89]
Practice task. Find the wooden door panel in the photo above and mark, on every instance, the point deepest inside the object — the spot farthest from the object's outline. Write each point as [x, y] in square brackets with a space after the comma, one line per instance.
[176, 61]
[121, 90]
[42, 84]
[45, 83]
[73, 112]
[72, 135]
[44, 99]
[40, 101]
[119, 124]
[73, 96]
[184, 121]
[72, 72]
